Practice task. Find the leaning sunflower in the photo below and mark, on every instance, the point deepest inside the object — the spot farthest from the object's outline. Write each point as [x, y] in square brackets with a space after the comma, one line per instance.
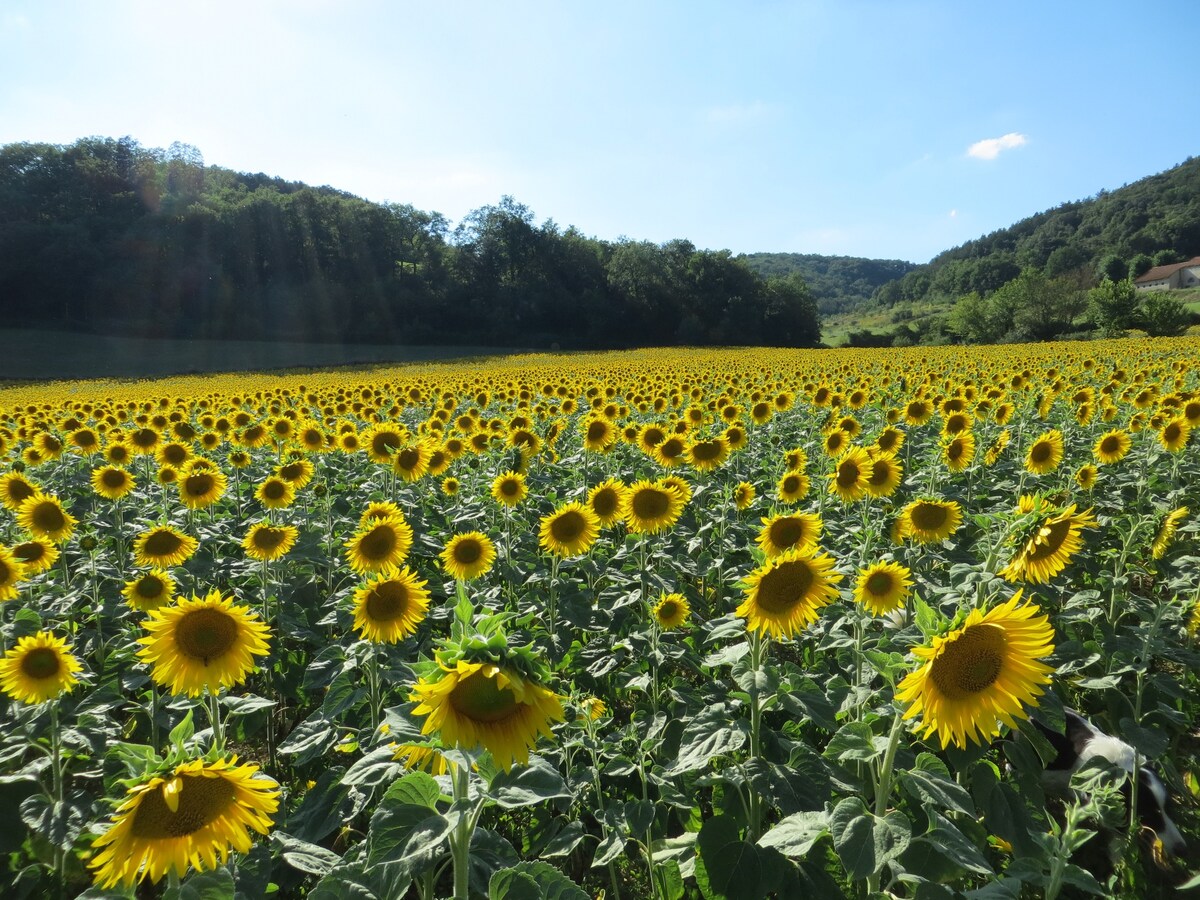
[150, 590]
[651, 507]
[784, 532]
[743, 495]
[12, 571]
[1045, 453]
[480, 704]
[15, 489]
[389, 607]
[163, 546]
[1111, 447]
[852, 475]
[671, 611]
[36, 555]
[886, 474]
[570, 530]
[195, 815]
[42, 515]
[980, 675]
[379, 544]
[882, 587]
[267, 542]
[1166, 532]
[39, 667]
[1048, 546]
[467, 556]
[783, 595]
[927, 521]
[202, 644]
[607, 500]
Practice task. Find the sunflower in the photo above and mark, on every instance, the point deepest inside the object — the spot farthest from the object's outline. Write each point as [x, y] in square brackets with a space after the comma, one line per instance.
[1174, 435]
[1048, 549]
[389, 607]
[852, 475]
[379, 509]
[379, 544]
[890, 440]
[298, 473]
[467, 556]
[479, 704]
[15, 489]
[267, 542]
[39, 667]
[994, 451]
[704, 456]
[792, 487]
[981, 674]
[275, 493]
[1085, 476]
[599, 436]
[926, 521]
[196, 815]
[202, 644]
[671, 611]
[1045, 453]
[509, 488]
[112, 482]
[117, 452]
[958, 452]
[795, 460]
[594, 708]
[882, 587]
[450, 486]
[796, 531]
[411, 461]
[743, 495]
[36, 555]
[784, 594]
[670, 452]
[42, 515]
[885, 475]
[837, 442]
[1111, 447]
[1166, 532]
[12, 571]
[607, 501]
[150, 591]
[382, 442]
[918, 412]
[570, 530]
[651, 507]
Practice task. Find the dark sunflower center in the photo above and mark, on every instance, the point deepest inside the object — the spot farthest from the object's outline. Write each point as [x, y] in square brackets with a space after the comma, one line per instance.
[5, 572]
[175, 454]
[291, 471]
[150, 587]
[254, 433]
[791, 484]
[706, 451]
[886, 441]
[652, 437]
[201, 802]
[604, 503]
[784, 586]
[955, 450]
[378, 543]
[163, 543]
[144, 437]
[388, 601]
[408, 458]
[970, 663]
[41, 662]
[1041, 452]
[509, 487]
[1110, 444]
[1049, 539]
[597, 431]
[668, 610]
[1172, 432]
[468, 551]
[205, 634]
[269, 538]
[113, 479]
[880, 472]
[880, 584]
[30, 552]
[479, 698]
[929, 516]
[385, 443]
[671, 448]
[651, 503]
[568, 526]
[19, 490]
[274, 490]
[848, 474]
[48, 517]
[786, 533]
[955, 424]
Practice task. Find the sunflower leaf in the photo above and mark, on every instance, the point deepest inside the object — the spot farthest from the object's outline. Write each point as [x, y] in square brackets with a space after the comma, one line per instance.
[214, 885]
[796, 834]
[302, 855]
[526, 785]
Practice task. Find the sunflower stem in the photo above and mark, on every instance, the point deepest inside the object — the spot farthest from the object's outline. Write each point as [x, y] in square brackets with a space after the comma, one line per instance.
[460, 843]
[883, 789]
[56, 786]
[758, 646]
[214, 718]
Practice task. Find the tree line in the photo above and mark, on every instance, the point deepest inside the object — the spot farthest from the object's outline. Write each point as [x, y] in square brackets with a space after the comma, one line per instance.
[107, 236]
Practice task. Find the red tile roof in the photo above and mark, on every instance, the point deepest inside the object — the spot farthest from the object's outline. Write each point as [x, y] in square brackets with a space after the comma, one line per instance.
[1158, 273]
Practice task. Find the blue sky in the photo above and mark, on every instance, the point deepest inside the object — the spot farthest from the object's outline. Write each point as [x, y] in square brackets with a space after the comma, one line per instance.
[832, 126]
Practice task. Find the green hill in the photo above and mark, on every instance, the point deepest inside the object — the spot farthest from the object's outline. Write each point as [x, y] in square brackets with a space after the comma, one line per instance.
[839, 284]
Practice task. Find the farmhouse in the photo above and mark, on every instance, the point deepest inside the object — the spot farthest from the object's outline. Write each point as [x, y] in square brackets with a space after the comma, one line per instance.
[1176, 275]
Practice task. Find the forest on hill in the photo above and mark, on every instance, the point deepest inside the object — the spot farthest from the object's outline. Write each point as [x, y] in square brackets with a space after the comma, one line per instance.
[106, 236]
[839, 284]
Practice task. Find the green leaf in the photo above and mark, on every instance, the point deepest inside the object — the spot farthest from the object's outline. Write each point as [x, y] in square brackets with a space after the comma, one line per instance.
[216, 884]
[929, 782]
[551, 884]
[865, 843]
[325, 806]
[707, 735]
[304, 856]
[60, 823]
[948, 840]
[856, 742]
[795, 835]
[731, 866]
[565, 842]
[525, 785]
[406, 833]
[244, 706]
[373, 769]
[311, 739]
[509, 884]
[416, 788]
[182, 733]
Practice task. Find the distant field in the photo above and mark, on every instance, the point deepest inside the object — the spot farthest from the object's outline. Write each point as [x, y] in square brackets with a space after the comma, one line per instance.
[27, 354]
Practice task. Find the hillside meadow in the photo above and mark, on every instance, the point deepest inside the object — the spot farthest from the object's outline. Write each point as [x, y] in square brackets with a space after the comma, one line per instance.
[663, 623]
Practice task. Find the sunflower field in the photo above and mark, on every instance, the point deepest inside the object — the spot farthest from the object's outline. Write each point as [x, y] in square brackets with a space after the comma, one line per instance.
[720, 624]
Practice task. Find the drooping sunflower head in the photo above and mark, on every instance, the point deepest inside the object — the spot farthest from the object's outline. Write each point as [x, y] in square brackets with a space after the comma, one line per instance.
[202, 644]
[112, 482]
[36, 555]
[42, 515]
[671, 611]
[480, 704]
[927, 521]
[12, 572]
[163, 546]
[743, 495]
[607, 500]
[509, 488]
[266, 542]
[389, 607]
[379, 544]
[298, 473]
[651, 507]
[150, 590]
[785, 594]
[1045, 453]
[958, 452]
[39, 667]
[794, 531]
[570, 530]
[883, 587]
[1047, 545]
[467, 556]
[196, 814]
[981, 675]
[1166, 532]
[15, 489]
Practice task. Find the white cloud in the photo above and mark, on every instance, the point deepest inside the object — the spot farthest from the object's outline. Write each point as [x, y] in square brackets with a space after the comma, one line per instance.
[991, 147]
[953, 213]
